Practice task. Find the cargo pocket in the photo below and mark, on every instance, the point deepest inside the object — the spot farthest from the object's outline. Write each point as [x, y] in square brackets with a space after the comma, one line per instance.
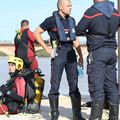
[89, 64]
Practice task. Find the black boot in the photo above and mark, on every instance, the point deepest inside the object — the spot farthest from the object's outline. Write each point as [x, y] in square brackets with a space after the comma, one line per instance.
[76, 107]
[54, 109]
[113, 112]
[96, 112]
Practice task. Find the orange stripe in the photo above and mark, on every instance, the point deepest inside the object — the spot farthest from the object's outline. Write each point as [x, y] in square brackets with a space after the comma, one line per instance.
[93, 16]
[54, 29]
[116, 14]
[2, 108]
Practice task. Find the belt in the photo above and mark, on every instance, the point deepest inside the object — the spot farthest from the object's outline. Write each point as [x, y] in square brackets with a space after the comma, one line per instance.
[65, 43]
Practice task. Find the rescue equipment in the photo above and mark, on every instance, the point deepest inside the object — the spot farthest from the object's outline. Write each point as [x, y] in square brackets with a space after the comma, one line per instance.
[60, 27]
[34, 104]
[39, 86]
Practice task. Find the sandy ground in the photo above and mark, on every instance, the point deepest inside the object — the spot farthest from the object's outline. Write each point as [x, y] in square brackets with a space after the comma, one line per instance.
[64, 108]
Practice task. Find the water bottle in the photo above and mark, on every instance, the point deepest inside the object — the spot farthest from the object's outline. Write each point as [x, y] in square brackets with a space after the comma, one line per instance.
[80, 71]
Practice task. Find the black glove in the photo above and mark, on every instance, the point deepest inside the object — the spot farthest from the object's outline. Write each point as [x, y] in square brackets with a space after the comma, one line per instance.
[4, 89]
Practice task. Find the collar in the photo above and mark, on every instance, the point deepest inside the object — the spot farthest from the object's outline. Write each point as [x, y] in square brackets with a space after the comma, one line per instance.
[61, 18]
[23, 29]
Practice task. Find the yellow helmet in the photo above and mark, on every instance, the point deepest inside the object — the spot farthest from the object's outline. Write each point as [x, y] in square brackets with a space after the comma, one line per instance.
[17, 61]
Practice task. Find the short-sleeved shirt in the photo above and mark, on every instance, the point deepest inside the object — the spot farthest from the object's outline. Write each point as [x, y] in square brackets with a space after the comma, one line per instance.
[49, 25]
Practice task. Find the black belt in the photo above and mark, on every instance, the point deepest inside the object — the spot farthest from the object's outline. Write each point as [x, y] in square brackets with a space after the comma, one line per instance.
[65, 43]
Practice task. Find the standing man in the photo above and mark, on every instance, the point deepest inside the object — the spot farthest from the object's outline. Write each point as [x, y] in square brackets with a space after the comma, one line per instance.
[100, 24]
[24, 46]
[24, 49]
[61, 29]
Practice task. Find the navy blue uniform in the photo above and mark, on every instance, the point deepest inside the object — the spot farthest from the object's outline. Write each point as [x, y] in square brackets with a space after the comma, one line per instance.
[100, 24]
[66, 58]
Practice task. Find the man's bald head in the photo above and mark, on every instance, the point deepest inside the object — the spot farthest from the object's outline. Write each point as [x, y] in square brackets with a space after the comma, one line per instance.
[64, 7]
[60, 2]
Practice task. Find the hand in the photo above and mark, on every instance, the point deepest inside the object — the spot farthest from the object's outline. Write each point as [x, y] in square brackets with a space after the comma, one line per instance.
[4, 89]
[80, 61]
[49, 50]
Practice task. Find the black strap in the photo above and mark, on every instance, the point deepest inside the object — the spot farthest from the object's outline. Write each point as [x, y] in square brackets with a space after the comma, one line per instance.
[28, 47]
[109, 28]
[60, 27]
[110, 35]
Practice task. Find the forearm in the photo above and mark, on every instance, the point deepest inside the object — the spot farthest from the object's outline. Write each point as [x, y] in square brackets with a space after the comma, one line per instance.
[78, 47]
[79, 51]
[39, 39]
[41, 42]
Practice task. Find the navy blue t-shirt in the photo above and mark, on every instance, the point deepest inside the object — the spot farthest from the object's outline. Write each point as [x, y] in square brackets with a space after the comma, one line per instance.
[49, 25]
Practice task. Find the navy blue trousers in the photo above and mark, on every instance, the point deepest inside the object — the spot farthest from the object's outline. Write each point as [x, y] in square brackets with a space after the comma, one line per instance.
[66, 58]
[102, 79]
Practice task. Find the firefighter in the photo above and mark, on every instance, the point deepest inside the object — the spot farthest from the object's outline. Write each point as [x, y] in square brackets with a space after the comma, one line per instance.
[61, 29]
[100, 24]
[24, 48]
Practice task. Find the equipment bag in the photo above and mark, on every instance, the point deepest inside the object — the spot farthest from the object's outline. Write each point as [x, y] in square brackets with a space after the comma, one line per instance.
[34, 102]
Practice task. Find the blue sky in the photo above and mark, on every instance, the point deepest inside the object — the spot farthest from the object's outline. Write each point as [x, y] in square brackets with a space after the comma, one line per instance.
[13, 11]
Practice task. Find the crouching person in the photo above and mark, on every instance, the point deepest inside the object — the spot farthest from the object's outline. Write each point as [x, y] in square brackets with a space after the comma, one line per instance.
[13, 92]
